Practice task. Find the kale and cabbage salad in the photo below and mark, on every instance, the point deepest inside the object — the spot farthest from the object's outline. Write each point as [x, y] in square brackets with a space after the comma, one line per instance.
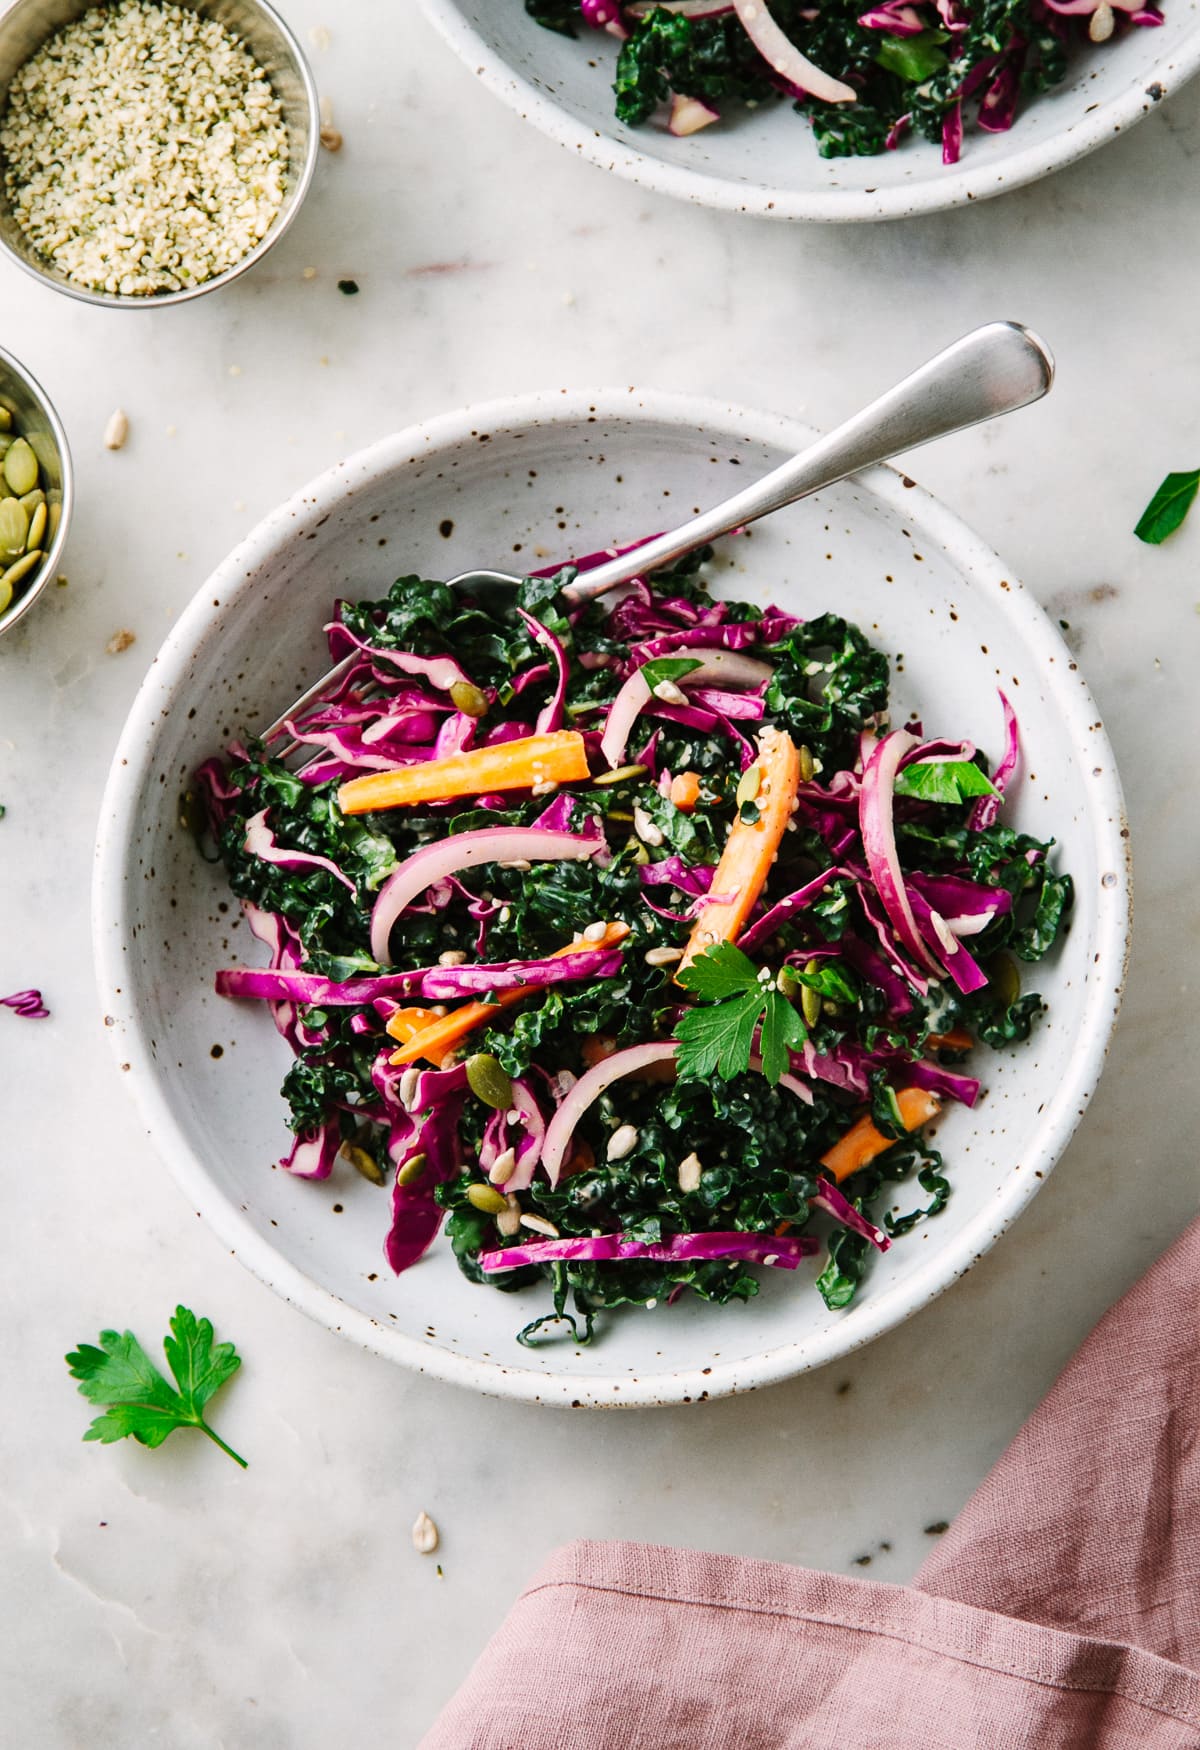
[864, 79]
[628, 939]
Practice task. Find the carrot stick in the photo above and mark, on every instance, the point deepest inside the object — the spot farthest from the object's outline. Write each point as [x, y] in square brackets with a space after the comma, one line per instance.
[443, 1033]
[862, 1142]
[557, 758]
[958, 1039]
[750, 849]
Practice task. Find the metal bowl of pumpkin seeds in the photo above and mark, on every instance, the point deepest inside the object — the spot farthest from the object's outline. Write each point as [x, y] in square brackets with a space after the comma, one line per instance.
[36, 490]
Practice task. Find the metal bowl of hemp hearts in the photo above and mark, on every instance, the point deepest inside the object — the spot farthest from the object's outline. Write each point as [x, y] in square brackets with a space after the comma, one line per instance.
[36, 491]
[150, 150]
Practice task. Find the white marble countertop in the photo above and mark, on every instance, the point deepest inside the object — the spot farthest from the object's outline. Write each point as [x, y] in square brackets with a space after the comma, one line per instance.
[168, 1598]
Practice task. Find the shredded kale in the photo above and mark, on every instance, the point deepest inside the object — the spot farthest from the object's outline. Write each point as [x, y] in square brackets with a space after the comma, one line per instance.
[724, 1147]
[902, 81]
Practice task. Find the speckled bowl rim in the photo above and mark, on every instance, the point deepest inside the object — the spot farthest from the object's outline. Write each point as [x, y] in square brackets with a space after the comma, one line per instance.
[948, 188]
[132, 768]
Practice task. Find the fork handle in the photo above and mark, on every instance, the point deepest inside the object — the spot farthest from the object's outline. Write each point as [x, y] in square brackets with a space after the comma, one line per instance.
[993, 370]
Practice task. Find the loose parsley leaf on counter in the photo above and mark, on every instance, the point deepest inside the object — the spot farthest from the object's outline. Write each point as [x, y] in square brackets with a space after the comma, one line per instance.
[138, 1399]
[1168, 508]
[719, 1035]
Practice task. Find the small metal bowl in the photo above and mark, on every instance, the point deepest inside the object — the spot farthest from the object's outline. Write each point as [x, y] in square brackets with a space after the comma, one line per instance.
[26, 26]
[35, 420]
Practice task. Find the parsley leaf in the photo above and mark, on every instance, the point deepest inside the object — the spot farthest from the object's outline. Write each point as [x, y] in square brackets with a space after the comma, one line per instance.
[138, 1400]
[1167, 509]
[944, 781]
[719, 1036]
[668, 668]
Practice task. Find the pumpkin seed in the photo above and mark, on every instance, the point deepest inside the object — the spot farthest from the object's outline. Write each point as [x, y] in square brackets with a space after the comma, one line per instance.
[487, 1199]
[808, 768]
[5, 419]
[21, 467]
[55, 519]
[468, 699]
[37, 527]
[12, 577]
[489, 1081]
[14, 528]
[619, 775]
[810, 1001]
[749, 784]
[31, 500]
[1004, 978]
[412, 1169]
[363, 1162]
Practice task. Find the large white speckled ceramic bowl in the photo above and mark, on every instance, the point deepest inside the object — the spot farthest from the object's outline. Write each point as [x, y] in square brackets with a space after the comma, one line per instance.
[765, 161]
[510, 484]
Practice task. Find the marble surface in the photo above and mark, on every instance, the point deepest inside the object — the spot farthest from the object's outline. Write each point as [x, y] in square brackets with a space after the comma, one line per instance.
[168, 1598]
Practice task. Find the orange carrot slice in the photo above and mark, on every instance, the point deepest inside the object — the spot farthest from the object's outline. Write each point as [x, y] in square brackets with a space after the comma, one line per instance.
[685, 791]
[862, 1142]
[556, 758]
[958, 1039]
[750, 849]
[444, 1032]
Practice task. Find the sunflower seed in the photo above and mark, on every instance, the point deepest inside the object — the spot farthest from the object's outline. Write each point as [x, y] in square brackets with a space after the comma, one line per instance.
[689, 1172]
[538, 1224]
[645, 828]
[116, 431]
[503, 1167]
[425, 1535]
[595, 932]
[452, 957]
[662, 956]
[510, 1222]
[622, 1142]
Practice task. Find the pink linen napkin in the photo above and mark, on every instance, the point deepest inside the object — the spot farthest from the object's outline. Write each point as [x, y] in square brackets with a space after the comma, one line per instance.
[1061, 1610]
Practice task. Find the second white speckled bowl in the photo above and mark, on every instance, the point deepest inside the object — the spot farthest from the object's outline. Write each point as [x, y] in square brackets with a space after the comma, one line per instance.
[765, 162]
[517, 483]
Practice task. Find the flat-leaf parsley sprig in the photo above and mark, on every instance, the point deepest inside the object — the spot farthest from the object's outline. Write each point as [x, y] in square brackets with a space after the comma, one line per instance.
[738, 1001]
[138, 1399]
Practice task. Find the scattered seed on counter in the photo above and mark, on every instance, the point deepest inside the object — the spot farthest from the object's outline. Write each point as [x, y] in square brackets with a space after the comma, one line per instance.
[329, 136]
[120, 641]
[116, 431]
[425, 1535]
[348, 287]
[144, 149]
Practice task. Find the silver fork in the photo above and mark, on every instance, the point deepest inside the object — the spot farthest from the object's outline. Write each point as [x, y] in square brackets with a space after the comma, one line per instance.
[993, 370]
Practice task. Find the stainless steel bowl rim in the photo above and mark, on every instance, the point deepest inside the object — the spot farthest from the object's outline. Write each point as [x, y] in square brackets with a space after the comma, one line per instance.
[291, 205]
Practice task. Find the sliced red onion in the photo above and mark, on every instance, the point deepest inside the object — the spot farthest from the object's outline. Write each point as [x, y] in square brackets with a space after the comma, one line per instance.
[936, 1079]
[588, 1089]
[720, 667]
[782, 1250]
[746, 706]
[877, 825]
[260, 842]
[835, 1203]
[550, 717]
[689, 115]
[785, 59]
[490, 844]
[987, 808]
